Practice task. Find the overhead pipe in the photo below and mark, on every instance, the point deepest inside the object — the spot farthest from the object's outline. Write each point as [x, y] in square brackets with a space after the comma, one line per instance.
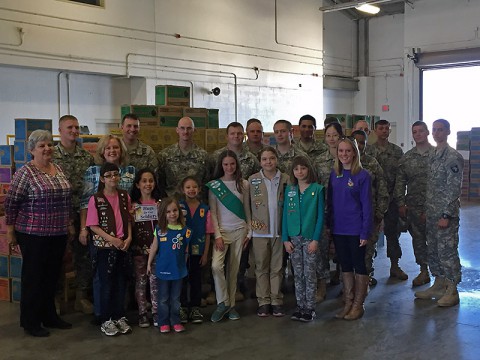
[176, 36]
[21, 34]
[353, 4]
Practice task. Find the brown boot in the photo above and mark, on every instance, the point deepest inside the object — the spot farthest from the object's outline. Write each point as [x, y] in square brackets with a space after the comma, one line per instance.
[321, 293]
[422, 278]
[450, 298]
[396, 271]
[437, 290]
[361, 289]
[82, 303]
[348, 294]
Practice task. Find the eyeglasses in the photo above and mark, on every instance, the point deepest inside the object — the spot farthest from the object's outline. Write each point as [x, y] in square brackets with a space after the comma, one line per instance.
[109, 176]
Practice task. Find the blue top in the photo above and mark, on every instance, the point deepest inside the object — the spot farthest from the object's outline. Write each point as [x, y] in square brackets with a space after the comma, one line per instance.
[170, 263]
[303, 212]
[350, 204]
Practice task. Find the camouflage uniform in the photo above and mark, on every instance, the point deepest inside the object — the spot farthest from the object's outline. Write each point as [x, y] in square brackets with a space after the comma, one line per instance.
[443, 197]
[245, 145]
[142, 156]
[248, 161]
[379, 204]
[413, 169]
[388, 158]
[284, 163]
[314, 151]
[174, 166]
[324, 166]
[74, 166]
[304, 271]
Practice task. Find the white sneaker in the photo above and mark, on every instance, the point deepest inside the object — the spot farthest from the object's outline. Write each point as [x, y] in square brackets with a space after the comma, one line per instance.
[122, 326]
[109, 328]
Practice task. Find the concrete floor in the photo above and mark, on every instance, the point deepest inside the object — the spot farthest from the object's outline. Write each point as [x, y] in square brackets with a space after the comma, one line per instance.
[395, 326]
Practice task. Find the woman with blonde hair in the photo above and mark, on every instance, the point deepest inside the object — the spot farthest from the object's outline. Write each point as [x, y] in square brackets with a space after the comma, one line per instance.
[350, 220]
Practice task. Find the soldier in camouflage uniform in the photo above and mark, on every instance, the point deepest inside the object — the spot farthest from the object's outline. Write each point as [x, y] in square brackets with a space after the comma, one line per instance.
[443, 216]
[182, 159]
[283, 131]
[74, 161]
[379, 202]
[412, 177]
[140, 154]
[388, 155]
[249, 163]
[363, 125]
[307, 143]
[254, 142]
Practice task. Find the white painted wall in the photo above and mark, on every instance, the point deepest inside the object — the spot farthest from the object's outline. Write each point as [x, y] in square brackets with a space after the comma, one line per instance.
[216, 41]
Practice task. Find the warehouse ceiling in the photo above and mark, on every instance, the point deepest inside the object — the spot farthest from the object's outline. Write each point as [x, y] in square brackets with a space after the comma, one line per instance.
[387, 7]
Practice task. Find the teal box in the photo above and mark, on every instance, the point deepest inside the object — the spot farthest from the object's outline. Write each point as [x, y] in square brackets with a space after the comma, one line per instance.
[18, 165]
[15, 266]
[4, 266]
[24, 127]
[172, 95]
[20, 151]
[213, 119]
[16, 287]
[6, 155]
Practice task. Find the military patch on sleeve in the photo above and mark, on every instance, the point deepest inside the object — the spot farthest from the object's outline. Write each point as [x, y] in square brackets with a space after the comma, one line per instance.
[454, 169]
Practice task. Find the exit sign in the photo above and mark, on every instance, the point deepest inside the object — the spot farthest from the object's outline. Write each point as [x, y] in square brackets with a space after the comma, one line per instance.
[385, 108]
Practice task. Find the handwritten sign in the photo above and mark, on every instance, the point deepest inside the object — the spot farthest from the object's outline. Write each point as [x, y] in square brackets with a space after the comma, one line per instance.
[146, 213]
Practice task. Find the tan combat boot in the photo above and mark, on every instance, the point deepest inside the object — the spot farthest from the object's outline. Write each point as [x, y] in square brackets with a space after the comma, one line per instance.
[361, 290]
[348, 294]
[396, 271]
[82, 303]
[321, 293]
[422, 278]
[437, 290]
[450, 298]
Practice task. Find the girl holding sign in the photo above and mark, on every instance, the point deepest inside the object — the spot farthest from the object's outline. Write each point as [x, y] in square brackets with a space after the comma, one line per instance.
[145, 196]
[230, 208]
[169, 249]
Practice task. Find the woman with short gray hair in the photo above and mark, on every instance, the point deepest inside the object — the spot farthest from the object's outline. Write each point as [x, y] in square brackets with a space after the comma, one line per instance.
[38, 214]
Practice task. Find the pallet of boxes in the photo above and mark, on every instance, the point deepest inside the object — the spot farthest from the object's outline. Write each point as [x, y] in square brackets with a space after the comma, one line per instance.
[474, 185]
[158, 122]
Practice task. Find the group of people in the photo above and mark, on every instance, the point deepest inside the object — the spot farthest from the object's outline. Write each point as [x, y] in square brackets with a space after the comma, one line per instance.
[302, 198]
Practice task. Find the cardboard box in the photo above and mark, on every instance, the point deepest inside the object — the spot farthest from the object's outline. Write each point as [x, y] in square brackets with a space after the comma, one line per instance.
[169, 136]
[152, 136]
[172, 95]
[169, 115]
[18, 165]
[16, 289]
[24, 127]
[222, 138]
[213, 119]
[269, 139]
[20, 151]
[345, 120]
[4, 269]
[199, 137]
[6, 155]
[198, 115]
[4, 289]
[211, 140]
[91, 148]
[4, 188]
[15, 267]
[6, 174]
[148, 114]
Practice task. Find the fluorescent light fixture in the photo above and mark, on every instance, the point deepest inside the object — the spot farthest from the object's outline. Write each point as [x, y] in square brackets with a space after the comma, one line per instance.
[370, 9]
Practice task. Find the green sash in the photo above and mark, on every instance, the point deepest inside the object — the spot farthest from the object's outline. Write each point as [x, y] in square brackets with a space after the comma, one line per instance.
[227, 198]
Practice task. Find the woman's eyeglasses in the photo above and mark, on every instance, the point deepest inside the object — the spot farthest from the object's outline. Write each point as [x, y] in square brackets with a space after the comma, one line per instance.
[109, 176]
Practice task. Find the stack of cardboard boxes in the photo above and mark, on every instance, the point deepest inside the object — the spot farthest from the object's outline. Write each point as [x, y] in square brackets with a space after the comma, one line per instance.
[158, 122]
[463, 144]
[474, 187]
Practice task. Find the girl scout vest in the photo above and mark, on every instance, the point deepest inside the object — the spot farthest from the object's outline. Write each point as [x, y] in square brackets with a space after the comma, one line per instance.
[196, 222]
[106, 217]
[142, 234]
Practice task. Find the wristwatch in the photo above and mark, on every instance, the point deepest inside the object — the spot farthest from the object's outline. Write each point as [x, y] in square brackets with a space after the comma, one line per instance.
[445, 216]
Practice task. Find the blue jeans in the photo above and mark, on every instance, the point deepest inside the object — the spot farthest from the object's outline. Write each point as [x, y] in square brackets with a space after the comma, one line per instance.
[169, 301]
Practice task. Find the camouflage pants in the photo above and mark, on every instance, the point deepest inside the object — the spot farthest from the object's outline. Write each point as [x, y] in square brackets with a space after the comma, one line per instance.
[391, 231]
[416, 228]
[323, 260]
[442, 246]
[141, 279]
[81, 259]
[305, 274]
[371, 249]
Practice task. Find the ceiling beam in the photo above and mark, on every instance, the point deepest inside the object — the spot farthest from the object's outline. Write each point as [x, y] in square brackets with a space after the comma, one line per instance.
[353, 4]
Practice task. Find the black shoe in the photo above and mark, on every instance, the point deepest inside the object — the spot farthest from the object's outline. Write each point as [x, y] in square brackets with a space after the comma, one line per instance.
[38, 332]
[58, 324]
[297, 315]
[308, 316]
[277, 311]
[263, 310]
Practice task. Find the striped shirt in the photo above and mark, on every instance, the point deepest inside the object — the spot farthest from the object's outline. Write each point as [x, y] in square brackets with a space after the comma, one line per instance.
[38, 203]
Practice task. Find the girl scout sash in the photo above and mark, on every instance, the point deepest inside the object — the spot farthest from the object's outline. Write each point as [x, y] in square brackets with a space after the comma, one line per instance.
[227, 198]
